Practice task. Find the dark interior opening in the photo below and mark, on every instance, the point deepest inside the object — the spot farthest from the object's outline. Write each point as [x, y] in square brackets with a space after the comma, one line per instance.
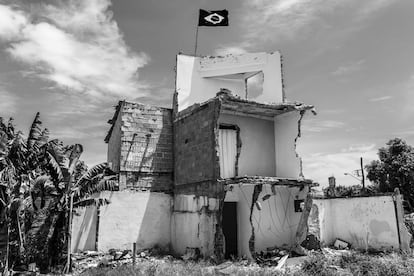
[230, 229]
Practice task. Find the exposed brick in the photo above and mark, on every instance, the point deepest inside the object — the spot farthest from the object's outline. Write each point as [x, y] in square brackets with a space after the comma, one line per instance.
[194, 145]
[140, 146]
[155, 182]
[147, 139]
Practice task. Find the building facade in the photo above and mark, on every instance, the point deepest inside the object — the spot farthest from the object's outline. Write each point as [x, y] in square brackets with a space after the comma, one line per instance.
[217, 174]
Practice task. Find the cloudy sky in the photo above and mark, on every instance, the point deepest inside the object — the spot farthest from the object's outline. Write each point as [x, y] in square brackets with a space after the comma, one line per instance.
[73, 60]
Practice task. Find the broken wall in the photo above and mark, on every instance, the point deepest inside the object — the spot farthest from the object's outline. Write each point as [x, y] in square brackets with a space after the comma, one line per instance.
[287, 131]
[196, 208]
[194, 223]
[146, 160]
[276, 222]
[364, 222]
[199, 78]
[257, 153]
[195, 146]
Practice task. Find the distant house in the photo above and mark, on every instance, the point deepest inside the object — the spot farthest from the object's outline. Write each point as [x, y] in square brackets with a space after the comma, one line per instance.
[218, 173]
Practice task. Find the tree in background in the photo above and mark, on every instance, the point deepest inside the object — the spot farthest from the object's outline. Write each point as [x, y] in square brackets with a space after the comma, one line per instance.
[394, 169]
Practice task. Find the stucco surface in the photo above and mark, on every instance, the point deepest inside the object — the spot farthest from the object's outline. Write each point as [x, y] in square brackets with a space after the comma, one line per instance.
[141, 217]
[200, 78]
[84, 229]
[286, 132]
[257, 155]
[365, 222]
[274, 225]
[193, 224]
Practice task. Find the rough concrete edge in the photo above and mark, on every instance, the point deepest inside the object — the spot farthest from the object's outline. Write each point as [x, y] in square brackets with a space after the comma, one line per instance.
[256, 192]
[303, 227]
[221, 193]
[404, 236]
[302, 114]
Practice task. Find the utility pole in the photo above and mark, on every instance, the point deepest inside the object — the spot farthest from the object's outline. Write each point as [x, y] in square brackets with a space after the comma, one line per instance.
[362, 174]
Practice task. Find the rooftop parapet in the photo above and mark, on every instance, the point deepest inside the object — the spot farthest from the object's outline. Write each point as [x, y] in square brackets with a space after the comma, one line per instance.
[199, 78]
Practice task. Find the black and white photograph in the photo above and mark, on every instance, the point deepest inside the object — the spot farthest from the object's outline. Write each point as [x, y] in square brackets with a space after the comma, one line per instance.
[206, 137]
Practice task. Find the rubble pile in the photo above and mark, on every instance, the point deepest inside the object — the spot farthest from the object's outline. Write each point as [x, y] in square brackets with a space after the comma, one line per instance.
[271, 257]
[113, 258]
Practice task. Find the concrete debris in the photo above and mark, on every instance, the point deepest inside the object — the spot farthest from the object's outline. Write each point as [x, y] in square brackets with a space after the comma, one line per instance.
[272, 256]
[191, 254]
[340, 244]
[282, 262]
[114, 258]
[311, 243]
[339, 271]
[331, 253]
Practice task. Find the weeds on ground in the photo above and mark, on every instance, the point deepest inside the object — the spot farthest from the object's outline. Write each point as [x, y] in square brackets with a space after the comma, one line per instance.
[379, 265]
[357, 263]
[178, 269]
[348, 263]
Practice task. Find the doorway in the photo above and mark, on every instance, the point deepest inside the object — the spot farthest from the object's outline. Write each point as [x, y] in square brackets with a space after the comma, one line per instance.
[230, 229]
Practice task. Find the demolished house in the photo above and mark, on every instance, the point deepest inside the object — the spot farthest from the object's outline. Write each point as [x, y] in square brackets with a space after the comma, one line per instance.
[217, 175]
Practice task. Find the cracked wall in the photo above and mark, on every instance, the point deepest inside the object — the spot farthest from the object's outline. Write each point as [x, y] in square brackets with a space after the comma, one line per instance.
[194, 223]
[364, 222]
[198, 198]
[274, 224]
[287, 132]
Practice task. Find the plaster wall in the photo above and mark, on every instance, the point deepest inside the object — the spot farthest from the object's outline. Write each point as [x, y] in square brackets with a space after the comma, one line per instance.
[286, 127]
[193, 224]
[365, 222]
[114, 145]
[200, 78]
[257, 155]
[84, 229]
[274, 225]
[141, 217]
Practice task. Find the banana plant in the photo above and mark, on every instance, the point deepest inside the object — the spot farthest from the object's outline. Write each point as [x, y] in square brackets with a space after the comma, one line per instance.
[37, 190]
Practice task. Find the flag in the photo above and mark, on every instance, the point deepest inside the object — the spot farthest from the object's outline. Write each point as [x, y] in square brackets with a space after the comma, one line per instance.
[213, 18]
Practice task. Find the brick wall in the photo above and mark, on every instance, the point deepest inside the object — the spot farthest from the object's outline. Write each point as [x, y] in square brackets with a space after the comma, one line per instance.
[196, 157]
[140, 147]
[147, 139]
[155, 182]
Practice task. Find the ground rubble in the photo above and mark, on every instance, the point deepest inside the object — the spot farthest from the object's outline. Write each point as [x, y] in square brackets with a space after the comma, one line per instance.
[274, 259]
[82, 261]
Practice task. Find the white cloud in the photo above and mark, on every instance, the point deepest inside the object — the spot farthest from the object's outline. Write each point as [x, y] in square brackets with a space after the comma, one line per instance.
[320, 166]
[11, 22]
[380, 99]
[348, 68]
[269, 20]
[75, 45]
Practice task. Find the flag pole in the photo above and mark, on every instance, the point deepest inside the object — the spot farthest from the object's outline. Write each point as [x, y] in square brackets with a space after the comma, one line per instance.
[196, 42]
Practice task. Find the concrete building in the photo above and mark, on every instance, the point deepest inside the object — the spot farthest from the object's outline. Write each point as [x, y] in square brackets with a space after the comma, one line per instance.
[217, 174]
